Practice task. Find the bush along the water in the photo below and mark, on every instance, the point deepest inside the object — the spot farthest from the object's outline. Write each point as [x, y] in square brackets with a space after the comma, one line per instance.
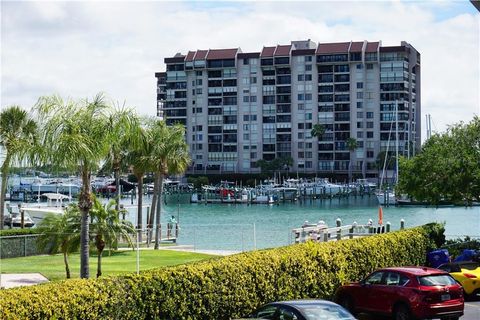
[219, 288]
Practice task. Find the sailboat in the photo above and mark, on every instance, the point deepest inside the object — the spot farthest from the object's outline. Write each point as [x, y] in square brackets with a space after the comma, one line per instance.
[387, 197]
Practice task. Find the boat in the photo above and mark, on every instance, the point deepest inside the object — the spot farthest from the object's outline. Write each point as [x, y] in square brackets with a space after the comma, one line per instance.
[14, 219]
[387, 196]
[55, 205]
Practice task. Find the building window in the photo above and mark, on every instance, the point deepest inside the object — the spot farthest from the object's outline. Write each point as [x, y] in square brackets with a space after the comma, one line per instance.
[308, 58]
[369, 124]
[359, 85]
[198, 73]
[359, 66]
[301, 77]
[369, 115]
[253, 80]
[246, 61]
[359, 104]
[359, 95]
[199, 82]
[359, 115]
[369, 154]
[360, 134]
[246, 136]
[359, 125]
[369, 66]
[308, 77]
[369, 134]
[308, 67]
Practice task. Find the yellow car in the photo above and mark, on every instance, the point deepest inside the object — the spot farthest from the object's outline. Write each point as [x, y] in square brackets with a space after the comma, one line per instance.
[467, 273]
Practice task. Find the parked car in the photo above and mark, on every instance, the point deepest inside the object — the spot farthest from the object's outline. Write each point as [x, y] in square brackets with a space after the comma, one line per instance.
[405, 293]
[302, 310]
[467, 273]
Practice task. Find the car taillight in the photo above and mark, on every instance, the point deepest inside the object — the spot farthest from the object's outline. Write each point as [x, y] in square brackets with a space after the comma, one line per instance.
[469, 275]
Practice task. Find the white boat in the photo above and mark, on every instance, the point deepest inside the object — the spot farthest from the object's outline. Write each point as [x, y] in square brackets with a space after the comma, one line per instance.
[14, 219]
[386, 198]
[263, 199]
[55, 204]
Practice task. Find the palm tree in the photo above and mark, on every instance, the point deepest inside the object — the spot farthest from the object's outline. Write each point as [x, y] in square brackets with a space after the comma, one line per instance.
[107, 228]
[352, 145]
[76, 135]
[18, 135]
[318, 130]
[169, 156]
[124, 126]
[137, 158]
[60, 233]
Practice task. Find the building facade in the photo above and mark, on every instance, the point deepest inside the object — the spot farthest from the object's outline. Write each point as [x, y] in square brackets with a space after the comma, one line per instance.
[241, 107]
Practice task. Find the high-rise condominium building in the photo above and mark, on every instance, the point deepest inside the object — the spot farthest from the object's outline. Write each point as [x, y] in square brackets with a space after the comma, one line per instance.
[241, 107]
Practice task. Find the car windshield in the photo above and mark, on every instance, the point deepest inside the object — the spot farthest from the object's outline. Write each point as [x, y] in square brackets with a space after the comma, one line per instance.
[326, 313]
[436, 280]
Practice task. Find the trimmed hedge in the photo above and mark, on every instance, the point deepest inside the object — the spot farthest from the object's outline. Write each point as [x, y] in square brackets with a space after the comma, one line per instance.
[14, 232]
[219, 288]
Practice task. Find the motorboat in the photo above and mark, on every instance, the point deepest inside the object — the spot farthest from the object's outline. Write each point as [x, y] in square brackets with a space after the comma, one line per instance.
[56, 203]
[386, 197]
[14, 219]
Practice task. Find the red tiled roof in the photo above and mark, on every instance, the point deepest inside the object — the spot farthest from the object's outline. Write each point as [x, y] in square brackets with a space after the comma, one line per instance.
[190, 56]
[217, 54]
[356, 47]
[282, 50]
[327, 48]
[372, 47]
[267, 52]
[200, 55]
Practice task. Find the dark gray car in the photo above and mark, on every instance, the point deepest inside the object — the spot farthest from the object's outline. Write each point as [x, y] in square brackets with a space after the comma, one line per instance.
[302, 310]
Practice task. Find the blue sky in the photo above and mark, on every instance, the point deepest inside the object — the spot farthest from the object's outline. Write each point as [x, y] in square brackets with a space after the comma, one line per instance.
[77, 49]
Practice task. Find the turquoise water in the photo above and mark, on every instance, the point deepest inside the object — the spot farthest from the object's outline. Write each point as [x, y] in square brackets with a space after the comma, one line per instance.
[243, 227]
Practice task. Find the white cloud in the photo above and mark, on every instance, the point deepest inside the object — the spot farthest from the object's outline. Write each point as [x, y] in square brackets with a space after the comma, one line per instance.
[80, 48]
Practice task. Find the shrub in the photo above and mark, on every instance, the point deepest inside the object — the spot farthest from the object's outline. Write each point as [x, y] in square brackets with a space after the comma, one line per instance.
[14, 232]
[219, 288]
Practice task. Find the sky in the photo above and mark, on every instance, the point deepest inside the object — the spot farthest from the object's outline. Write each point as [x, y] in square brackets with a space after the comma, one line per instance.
[77, 49]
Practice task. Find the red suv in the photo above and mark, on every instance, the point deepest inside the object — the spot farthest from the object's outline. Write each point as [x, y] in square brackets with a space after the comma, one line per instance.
[404, 293]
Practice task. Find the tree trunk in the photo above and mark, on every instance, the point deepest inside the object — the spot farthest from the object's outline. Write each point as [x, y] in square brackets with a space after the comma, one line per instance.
[116, 170]
[85, 204]
[139, 206]
[65, 260]
[3, 192]
[100, 246]
[154, 206]
[158, 228]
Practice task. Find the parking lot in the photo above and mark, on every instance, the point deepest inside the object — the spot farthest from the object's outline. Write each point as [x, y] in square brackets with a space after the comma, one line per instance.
[472, 310]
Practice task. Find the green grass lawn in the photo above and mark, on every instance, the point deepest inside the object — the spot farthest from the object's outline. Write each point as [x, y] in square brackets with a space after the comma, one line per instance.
[52, 266]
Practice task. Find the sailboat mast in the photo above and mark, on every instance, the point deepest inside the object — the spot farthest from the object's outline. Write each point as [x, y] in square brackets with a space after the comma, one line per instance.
[396, 141]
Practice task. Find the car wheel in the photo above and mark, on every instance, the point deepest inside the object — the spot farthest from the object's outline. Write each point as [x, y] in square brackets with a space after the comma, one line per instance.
[402, 312]
[347, 303]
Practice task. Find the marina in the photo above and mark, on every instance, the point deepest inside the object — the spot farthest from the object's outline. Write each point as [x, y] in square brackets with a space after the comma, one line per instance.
[230, 217]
